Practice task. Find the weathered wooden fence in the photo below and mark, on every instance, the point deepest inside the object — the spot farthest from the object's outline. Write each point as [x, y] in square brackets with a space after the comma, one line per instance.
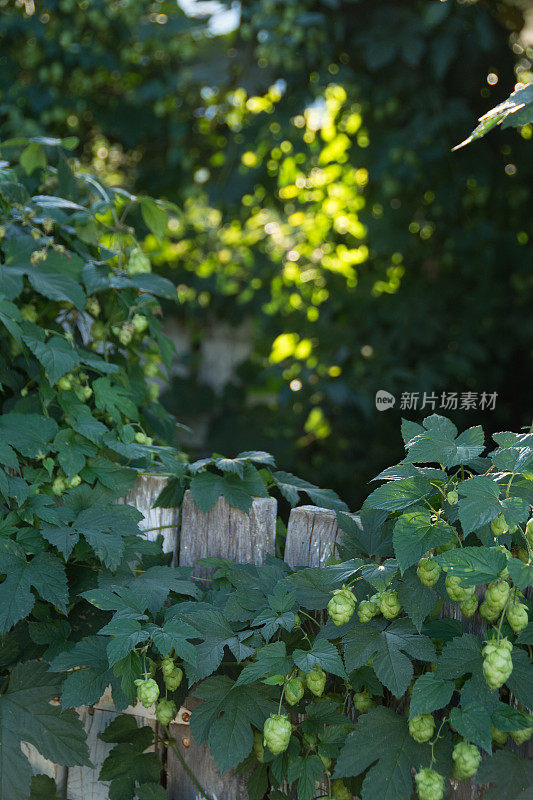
[225, 532]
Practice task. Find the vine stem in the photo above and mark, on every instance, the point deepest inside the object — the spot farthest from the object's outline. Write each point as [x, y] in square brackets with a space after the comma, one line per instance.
[188, 770]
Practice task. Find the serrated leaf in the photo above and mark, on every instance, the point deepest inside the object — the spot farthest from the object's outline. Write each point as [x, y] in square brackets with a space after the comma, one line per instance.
[56, 355]
[27, 715]
[387, 648]
[323, 653]
[381, 744]
[512, 777]
[506, 718]
[114, 399]
[520, 681]
[398, 495]
[291, 487]
[225, 717]
[474, 565]
[56, 285]
[27, 433]
[367, 533]
[415, 533]
[521, 574]
[439, 443]
[417, 600]
[305, 771]
[44, 572]
[271, 659]
[85, 686]
[155, 216]
[430, 693]
[479, 502]
[473, 722]
[460, 656]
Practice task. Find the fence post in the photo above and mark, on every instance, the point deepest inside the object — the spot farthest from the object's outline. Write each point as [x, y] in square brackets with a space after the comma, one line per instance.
[312, 536]
[225, 532]
[82, 782]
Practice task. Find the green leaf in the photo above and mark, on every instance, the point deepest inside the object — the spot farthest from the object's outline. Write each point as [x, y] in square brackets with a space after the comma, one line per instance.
[151, 791]
[323, 653]
[439, 443]
[27, 433]
[430, 693]
[473, 722]
[526, 636]
[56, 355]
[56, 285]
[216, 634]
[367, 533]
[85, 686]
[306, 771]
[397, 495]
[506, 718]
[388, 648]
[417, 600]
[415, 533]
[460, 656]
[27, 715]
[44, 572]
[154, 284]
[270, 660]
[61, 537]
[32, 157]
[512, 776]
[128, 764]
[516, 111]
[381, 744]
[291, 487]
[126, 634]
[520, 681]
[114, 399]
[380, 575]
[43, 788]
[474, 564]
[207, 487]
[521, 574]
[155, 216]
[226, 716]
[479, 503]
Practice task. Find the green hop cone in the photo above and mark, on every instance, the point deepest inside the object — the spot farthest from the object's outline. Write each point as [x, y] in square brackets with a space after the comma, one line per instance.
[498, 736]
[340, 791]
[259, 747]
[428, 571]
[294, 691]
[173, 679]
[126, 333]
[466, 759]
[389, 604]
[429, 785]
[497, 594]
[497, 662]
[140, 323]
[499, 526]
[469, 606]
[138, 262]
[167, 665]
[363, 701]
[165, 711]
[523, 735]
[316, 680]
[422, 728]
[341, 606]
[452, 497]
[147, 691]
[488, 612]
[456, 591]
[367, 610]
[517, 616]
[277, 733]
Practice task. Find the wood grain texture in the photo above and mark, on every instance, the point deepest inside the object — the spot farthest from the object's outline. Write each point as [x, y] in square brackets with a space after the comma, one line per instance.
[164, 521]
[226, 532]
[312, 535]
[42, 766]
[199, 760]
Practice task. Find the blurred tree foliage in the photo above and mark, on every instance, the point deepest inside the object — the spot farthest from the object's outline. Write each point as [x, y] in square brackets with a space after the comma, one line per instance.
[309, 153]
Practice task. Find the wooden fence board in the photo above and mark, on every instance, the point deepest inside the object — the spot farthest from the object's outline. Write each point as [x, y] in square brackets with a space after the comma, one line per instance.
[227, 532]
[164, 521]
[312, 535]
